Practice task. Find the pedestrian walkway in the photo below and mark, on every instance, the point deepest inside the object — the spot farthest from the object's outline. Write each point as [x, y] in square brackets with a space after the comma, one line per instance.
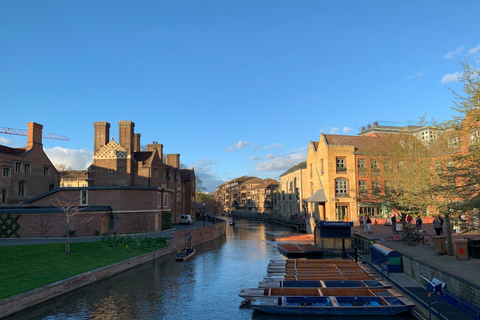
[465, 271]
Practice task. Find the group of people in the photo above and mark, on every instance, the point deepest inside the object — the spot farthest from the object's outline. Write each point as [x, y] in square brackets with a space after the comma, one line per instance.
[366, 223]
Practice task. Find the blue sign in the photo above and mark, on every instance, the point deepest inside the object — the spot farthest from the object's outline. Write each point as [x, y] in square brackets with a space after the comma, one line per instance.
[335, 229]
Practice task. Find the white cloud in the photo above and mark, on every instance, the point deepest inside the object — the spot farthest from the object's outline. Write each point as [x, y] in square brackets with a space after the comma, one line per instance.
[255, 158]
[279, 146]
[346, 130]
[417, 74]
[255, 147]
[204, 171]
[451, 77]
[76, 159]
[242, 144]
[269, 156]
[334, 130]
[281, 163]
[475, 50]
[239, 146]
[451, 54]
[5, 141]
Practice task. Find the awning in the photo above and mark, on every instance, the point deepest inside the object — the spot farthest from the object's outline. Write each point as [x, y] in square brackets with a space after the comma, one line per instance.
[318, 196]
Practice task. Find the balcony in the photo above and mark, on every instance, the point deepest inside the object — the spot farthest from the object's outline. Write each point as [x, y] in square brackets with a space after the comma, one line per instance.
[341, 169]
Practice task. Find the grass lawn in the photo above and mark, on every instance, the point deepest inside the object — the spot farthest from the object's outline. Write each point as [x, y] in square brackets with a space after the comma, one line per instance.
[27, 267]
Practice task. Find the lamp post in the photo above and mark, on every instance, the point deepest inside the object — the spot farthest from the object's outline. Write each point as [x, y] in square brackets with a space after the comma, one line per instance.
[204, 215]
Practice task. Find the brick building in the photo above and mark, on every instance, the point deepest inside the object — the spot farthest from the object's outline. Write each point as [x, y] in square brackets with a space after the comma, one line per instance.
[26, 172]
[128, 190]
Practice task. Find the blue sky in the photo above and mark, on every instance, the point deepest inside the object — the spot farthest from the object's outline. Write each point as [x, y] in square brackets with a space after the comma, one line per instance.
[236, 87]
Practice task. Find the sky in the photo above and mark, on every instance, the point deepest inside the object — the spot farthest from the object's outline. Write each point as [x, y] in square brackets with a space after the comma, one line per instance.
[235, 87]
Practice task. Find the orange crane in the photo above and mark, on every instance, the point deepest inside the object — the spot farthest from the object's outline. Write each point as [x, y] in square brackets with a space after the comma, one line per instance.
[20, 132]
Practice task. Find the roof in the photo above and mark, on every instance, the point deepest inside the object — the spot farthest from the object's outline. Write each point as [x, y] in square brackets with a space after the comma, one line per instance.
[441, 146]
[318, 196]
[142, 155]
[299, 166]
[12, 151]
[74, 174]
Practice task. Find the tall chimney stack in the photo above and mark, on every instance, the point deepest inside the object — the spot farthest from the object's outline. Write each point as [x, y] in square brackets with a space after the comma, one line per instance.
[34, 135]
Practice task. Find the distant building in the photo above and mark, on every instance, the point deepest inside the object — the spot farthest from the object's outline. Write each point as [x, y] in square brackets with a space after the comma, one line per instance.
[73, 178]
[26, 172]
[292, 198]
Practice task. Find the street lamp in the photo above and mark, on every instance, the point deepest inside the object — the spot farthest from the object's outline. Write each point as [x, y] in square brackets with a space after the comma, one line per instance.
[204, 213]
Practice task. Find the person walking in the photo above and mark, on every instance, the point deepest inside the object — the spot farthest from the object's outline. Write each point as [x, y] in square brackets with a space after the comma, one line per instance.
[418, 222]
[442, 221]
[437, 225]
[394, 223]
[367, 225]
[360, 219]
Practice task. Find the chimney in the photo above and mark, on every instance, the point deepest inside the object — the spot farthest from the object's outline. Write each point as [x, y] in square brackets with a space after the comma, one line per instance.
[173, 160]
[158, 146]
[34, 135]
[125, 135]
[102, 132]
[136, 145]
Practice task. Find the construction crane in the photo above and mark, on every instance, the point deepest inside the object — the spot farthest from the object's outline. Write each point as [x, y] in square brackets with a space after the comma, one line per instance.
[20, 132]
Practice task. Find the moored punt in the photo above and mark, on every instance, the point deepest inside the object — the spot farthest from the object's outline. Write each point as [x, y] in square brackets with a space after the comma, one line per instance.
[324, 284]
[331, 305]
[250, 293]
[185, 254]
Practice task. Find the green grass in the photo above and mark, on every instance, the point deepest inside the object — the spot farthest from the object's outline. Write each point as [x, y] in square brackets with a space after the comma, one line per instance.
[27, 267]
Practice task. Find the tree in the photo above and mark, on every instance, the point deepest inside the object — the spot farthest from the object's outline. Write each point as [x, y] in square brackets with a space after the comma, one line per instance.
[69, 209]
[199, 184]
[399, 166]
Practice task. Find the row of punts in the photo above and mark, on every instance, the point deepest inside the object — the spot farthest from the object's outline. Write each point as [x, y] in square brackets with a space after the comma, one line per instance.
[323, 287]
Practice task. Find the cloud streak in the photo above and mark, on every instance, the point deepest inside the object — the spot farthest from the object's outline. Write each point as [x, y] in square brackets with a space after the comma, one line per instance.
[451, 77]
[451, 54]
[239, 146]
[417, 74]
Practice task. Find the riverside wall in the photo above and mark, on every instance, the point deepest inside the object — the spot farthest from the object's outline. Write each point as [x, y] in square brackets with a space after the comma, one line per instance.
[37, 296]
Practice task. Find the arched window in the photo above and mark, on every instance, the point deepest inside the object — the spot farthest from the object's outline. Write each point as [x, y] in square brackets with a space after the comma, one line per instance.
[341, 188]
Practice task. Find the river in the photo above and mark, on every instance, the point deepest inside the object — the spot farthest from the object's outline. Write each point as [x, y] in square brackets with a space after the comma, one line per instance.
[204, 287]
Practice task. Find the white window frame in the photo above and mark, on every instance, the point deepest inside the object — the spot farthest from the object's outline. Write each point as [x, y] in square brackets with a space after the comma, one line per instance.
[84, 197]
[165, 200]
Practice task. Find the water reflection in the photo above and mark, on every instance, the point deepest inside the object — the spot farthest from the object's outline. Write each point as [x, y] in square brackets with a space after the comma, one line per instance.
[204, 287]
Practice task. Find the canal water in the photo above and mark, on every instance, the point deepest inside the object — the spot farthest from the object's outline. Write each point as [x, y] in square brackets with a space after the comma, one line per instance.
[204, 287]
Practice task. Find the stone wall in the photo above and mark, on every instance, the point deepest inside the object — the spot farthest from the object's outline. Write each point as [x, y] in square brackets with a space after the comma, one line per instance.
[415, 268]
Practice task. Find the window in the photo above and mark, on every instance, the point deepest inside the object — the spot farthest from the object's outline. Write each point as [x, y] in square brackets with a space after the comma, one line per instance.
[46, 171]
[453, 142]
[341, 165]
[321, 166]
[26, 168]
[21, 189]
[111, 221]
[155, 172]
[84, 197]
[18, 166]
[5, 172]
[3, 195]
[165, 200]
[474, 137]
[375, 188]
[341, 188]
[375, 168]
[362, 188]
[311, 188]
[51, 187]
[111, 172]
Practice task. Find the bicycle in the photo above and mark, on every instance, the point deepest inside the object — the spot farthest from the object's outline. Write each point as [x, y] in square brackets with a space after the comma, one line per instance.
[394, 238]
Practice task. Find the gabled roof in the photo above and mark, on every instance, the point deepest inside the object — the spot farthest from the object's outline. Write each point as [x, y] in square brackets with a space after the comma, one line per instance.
[442, 147]
[299, 166]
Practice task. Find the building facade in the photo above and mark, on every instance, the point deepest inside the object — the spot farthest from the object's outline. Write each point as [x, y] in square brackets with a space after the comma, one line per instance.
[26, 172]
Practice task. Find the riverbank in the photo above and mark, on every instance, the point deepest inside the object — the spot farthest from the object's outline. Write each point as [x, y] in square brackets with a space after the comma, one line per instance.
[200, 234]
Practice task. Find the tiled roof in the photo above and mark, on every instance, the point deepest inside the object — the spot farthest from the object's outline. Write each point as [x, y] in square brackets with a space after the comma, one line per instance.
[441, 146]
[74, 174]
[12, 151]
[142, 155]
[299, 166]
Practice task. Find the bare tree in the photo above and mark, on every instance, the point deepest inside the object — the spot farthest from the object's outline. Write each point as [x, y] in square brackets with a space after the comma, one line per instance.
[69, 209]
